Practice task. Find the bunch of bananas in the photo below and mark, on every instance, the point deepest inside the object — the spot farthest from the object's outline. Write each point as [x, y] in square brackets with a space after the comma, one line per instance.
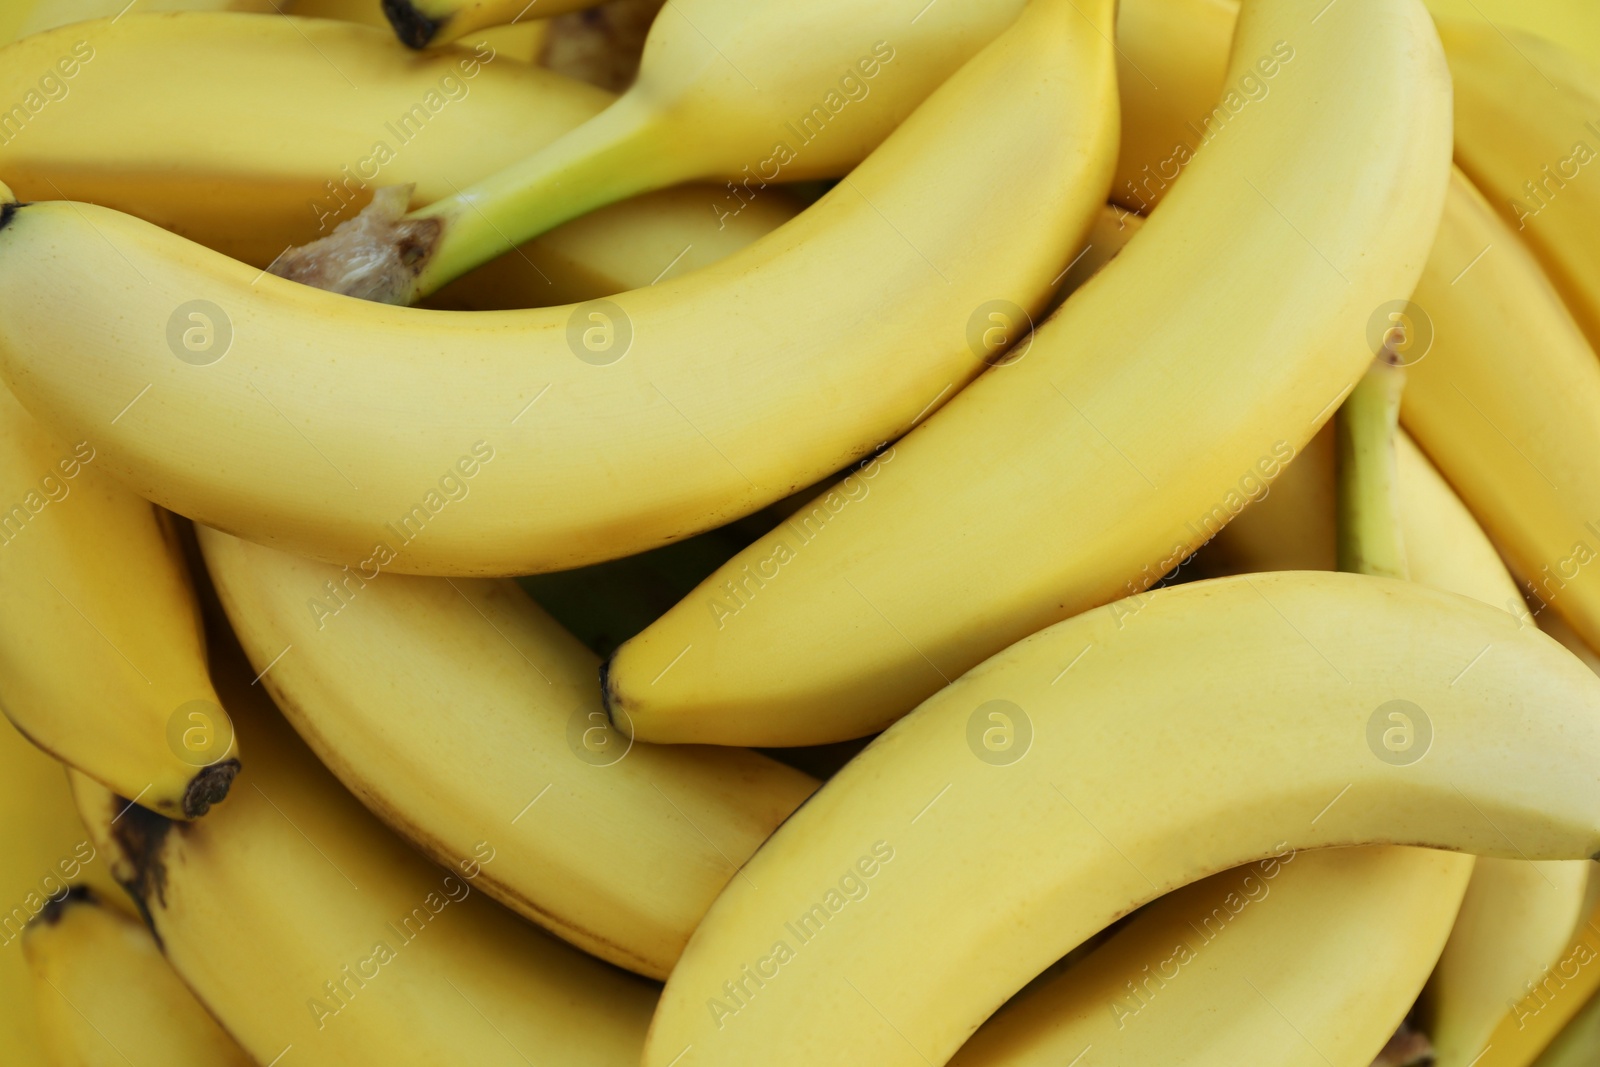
[987, 532]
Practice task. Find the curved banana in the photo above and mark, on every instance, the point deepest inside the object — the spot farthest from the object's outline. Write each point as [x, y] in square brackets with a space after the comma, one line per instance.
[43, 850]
[1324, 950]
[673, 408]
[837, 623]
[1527, 124]
[835, 80]
[1575, 1045]
[1515, 924]
[1516, 444]
[368, 672]
[102, 659]
[328, 122]
[1307, 959]
[1172, 66]
[1533, 1021]
[1067, 781]
[106, 998]
[299, 920]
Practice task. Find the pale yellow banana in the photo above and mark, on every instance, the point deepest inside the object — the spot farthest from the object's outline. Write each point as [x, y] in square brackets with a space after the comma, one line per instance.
[1505, 402]
[459, 708]
[1527, 132]
[48, 14]
[43, 850]
[314, 933]
[1515, 923]
[1113, 757]
[106, 998]
[1310, 959]
[1306, 960]
[1578, 1043]
[1120, 440]
[102, 658]
[334, 112]
[672, 408]
[1530, 1024]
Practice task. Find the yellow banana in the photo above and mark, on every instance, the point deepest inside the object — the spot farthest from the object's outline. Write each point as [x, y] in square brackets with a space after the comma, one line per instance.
[106, 998]
[328, 122]
[1094, 476]
[43, 849]
[1308, 959]
[674, 408]
[102, 659]
[1548, 1004]
[1325, 950]
[368, 672]
[48, 14]
[1527, 125]
[1578, 1042]
[1069, 780]
[1516, 443]
[303, 924]
[1515, 924]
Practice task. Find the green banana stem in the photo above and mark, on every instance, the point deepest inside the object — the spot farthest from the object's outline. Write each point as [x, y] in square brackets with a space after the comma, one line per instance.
[617, 154]
[1368, 491]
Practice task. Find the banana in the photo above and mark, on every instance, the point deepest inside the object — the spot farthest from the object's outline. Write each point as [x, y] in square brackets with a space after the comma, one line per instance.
[1515, 924]
[48, 14]
[1308, 959]
[303, 924]
[734, 394]
[102, 658]
[1070, 779]
[1575, 1046]
[43, 849]
[420, 23]
[1527, 124]
[106, 998]
[1064, 481]
[1324, 950]
[1546, 1006]
[835, 80]
[1517, 446]
[327, 122]
[366, 672]
[1172, 65]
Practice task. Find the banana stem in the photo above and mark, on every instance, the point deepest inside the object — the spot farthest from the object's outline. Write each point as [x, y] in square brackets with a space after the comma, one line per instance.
[1368, 489]
[615, 155]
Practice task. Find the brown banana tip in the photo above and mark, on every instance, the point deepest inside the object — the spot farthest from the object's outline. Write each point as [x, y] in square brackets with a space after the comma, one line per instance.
[7, 210]
[414, 29]
[56, 907]
[610, 701]
[208, 787]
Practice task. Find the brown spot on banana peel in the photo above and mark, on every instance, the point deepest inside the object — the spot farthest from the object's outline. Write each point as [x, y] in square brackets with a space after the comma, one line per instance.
[56, 907]
[414, 29]
[8, 211]
[375, 256]
[609, 700]
[209, 787]
[140, 836]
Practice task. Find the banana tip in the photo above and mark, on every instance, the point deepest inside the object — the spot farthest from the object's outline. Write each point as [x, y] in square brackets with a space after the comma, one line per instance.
[609, 700]
[208, 787]
[414, 29]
